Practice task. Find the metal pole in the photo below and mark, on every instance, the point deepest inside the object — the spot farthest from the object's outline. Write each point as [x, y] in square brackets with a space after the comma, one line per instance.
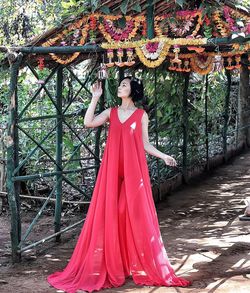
[12, 162]
[150, 19]
[226, 115]
[99, 131]
[59, 134]
[185, 127]
[206, 123]
[156, 134]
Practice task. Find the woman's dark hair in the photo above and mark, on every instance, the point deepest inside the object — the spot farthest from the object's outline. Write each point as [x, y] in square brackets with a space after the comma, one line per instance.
[136, 85]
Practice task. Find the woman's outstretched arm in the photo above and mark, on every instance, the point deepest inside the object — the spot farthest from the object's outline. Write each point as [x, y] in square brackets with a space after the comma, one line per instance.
[90, 120]
[149, 148]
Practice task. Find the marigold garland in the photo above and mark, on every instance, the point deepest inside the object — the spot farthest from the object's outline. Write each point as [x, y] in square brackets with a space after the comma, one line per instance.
[64, 33]
[223, 54]
[153, 63]
[122, 39]
[76, 54]
[169, 41]
[111, 33]
[220, 24]
[187, 15]
[202, 67]
[236, 13]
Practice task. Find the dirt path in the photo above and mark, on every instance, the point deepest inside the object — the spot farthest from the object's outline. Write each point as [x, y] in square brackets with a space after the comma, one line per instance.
[204, 239]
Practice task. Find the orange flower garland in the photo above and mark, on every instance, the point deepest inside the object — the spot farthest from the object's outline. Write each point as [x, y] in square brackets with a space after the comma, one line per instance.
[110, 33]
[220, 24]
[202, 66]
[152, 63]
[122, 40]
[237, 14]
[64, 33]
[181, 15]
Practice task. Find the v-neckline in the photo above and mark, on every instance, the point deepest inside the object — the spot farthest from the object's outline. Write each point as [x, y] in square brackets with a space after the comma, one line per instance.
[117, 114]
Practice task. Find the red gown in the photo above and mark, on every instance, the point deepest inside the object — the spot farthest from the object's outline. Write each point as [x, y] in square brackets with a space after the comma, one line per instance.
[120, 236]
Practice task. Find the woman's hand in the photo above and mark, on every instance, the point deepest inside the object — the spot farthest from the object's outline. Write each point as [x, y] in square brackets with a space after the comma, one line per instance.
[97, 90]
[169, 161]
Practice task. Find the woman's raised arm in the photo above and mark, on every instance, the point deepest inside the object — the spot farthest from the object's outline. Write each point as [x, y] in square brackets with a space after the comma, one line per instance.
[89, 119]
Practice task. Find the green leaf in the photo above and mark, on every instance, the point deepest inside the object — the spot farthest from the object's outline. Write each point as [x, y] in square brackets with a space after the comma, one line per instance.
[105, 9]
[122, 22]
[94, 4]
[136, 7]
[124, 6]
[180, 2]
[159, 114]
[66, 5]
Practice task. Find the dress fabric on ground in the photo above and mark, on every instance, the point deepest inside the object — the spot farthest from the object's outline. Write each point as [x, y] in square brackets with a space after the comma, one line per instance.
[120, 236]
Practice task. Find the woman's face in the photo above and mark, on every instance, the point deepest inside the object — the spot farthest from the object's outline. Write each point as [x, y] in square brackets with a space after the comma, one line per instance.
[124, 88]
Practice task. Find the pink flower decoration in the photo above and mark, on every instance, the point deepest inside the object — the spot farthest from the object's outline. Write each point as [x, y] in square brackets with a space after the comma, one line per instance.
[152, 47]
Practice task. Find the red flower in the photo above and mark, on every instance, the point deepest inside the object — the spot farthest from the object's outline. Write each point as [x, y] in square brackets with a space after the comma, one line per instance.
[207, 20]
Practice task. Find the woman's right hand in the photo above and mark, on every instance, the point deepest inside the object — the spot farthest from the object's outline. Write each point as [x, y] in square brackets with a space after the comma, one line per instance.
[96, 90]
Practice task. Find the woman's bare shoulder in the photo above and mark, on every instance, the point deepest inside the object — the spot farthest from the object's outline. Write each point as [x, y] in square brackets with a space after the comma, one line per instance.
[145, 115]
[107, 111]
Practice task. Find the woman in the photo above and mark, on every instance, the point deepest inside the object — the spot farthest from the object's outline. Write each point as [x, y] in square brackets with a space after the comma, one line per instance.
[120, 236]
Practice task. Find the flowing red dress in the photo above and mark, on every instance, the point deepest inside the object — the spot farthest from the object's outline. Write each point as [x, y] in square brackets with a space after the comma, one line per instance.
[120, 236]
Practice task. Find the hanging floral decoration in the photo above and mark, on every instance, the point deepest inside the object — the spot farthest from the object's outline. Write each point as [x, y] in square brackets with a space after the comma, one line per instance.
[113, 33]
[152, 54]
[110, 55]
[169, 41]
[221, 25]
[202, 64]
[40, 63]
[184, 23]
[218, 63]
[233, 62]
[233, 16]
[126, 38]
[229, 20]
[130, 57]
[241, 47]
[120, 55]
[176, 62]
[144, 29]
[92, 28]
[151, 50]
[77, 30]
[196, 49]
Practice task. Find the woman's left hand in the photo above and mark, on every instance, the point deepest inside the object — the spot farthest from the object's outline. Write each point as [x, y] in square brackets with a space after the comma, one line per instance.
[170, 161]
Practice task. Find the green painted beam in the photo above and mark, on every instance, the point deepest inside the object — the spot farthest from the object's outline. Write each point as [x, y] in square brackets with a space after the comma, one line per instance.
[96, 48]
[50, 174]
[185, 127]
[61, 49]
[12, 162]
[59, 146]
[150, 19]
[226, 114]
[206, 122]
